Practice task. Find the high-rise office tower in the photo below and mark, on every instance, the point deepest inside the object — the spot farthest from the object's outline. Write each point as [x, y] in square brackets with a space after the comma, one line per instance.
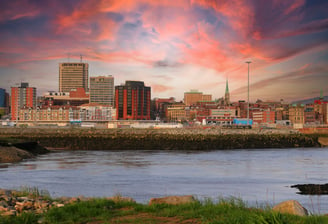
[20, 97]
[132, 101]
[73, 75]
[102, 90]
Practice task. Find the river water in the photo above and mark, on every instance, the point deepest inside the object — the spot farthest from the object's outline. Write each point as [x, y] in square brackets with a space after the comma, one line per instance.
[259, 177]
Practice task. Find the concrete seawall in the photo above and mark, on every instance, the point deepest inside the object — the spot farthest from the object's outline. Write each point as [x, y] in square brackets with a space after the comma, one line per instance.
[151, 139]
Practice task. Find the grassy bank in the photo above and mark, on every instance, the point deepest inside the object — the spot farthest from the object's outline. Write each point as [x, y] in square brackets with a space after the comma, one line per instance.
[97, 211]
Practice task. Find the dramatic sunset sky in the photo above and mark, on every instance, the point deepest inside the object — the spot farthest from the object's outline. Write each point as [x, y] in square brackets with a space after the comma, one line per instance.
[171, 45]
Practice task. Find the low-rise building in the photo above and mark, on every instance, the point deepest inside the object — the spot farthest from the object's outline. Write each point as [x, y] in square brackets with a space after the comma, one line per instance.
[176, 112]
[266, 117]
[97, 113]
[49, 114]
[74, 97]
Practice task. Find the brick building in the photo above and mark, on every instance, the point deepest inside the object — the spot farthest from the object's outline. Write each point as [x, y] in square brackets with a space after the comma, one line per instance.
[22, 96]
[132, 101]
[267, 117]
[192, 97]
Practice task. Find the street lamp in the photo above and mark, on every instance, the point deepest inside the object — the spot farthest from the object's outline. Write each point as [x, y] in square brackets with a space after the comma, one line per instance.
[248, 62]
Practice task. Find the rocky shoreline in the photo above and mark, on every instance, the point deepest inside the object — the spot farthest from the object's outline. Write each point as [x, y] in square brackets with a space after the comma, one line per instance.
[15, 203]
[17, 144]
[152, 139]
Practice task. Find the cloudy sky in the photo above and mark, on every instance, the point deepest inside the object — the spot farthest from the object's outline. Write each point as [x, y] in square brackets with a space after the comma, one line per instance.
[171, 45]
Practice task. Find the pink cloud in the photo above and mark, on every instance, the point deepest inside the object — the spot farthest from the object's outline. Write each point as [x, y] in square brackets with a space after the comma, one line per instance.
[239, 13]
[159, 88]
[296, 4]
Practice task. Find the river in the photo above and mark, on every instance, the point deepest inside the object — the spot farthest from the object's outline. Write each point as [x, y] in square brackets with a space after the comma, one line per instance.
[258, 177]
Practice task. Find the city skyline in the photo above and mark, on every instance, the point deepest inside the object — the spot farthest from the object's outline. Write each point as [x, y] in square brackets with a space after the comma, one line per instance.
[173, 46]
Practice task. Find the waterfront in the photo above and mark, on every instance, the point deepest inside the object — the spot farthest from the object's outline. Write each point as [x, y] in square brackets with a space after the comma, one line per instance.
[257, 176]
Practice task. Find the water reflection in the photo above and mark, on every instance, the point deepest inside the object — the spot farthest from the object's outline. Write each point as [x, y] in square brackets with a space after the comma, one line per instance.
[258, 176]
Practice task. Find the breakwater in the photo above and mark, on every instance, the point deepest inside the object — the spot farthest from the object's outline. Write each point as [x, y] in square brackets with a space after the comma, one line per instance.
[152, 139]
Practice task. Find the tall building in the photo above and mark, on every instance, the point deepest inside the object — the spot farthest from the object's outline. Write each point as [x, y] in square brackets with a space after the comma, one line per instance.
[3, 104]
[296, 114]
[227, 95]
[132, 101]
[23, 96]
[73, 76]
[102, 90]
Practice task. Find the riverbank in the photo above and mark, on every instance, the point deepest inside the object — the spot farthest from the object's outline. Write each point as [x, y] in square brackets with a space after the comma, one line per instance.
[31, 206]
[163, 139]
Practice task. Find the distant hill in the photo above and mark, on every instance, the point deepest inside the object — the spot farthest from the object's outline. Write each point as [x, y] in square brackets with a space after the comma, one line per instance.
[309, 101]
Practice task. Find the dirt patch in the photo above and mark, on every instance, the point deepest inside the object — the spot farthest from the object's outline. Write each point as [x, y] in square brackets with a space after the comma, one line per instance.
[149, 218]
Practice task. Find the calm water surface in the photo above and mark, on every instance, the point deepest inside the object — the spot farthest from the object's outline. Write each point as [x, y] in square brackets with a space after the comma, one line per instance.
[257, 176]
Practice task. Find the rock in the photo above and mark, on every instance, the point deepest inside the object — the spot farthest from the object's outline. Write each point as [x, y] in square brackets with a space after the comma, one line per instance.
[5, 198]
[173, 200]
[3, 208]
[291, 207]
[12, 154]
[73, 200]
[65, 200]
[323, 141]
[9, 213]
[20, 199]
[28, 205]
[44, 205]
[60, 205]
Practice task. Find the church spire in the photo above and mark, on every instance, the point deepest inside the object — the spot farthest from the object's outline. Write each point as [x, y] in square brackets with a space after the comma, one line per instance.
[227, 87]
[227, 94]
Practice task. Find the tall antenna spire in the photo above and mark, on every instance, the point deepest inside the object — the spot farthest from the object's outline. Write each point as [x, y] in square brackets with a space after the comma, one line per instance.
[80, 58]
[321, 94]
